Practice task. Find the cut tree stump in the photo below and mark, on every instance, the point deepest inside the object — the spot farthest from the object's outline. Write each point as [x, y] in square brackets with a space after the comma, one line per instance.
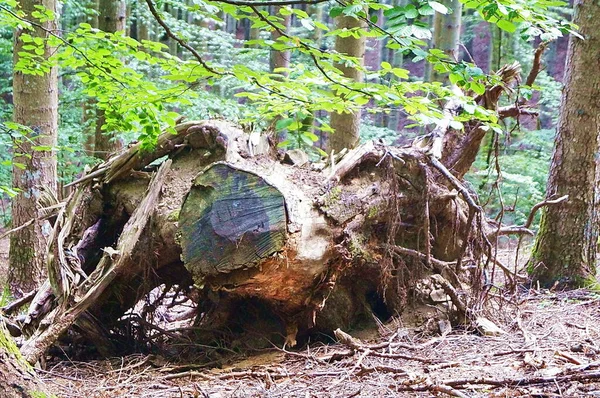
[231, 219]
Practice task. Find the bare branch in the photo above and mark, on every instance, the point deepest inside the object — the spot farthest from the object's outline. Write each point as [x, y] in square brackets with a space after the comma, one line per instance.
[516, 110]
[179, 40]
[537, 64]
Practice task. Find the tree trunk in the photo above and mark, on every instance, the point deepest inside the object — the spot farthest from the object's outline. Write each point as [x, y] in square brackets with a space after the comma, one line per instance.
[112, 18]
[89, 106]
[17, 379]
[35, 106]
[280, 59]
[565, 249]
[346, 126]
[141, 25]
[446, 28]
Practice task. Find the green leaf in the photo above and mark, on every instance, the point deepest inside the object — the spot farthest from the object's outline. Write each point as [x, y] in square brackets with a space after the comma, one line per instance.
[455, 78]
[308, 23]
[336, 11]
[506, 25]
[282, 124]
[478, 88]
[439, 7]
[411, 12]
[311, 136]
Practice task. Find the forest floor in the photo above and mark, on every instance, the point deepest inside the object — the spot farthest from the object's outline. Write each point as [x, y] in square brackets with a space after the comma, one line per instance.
[550, 347]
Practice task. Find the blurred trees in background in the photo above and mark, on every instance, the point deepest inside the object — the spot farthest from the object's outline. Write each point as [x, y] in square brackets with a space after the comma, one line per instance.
[316, 74]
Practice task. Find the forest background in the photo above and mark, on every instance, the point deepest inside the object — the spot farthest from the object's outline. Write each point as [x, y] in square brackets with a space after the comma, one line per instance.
[152, 92]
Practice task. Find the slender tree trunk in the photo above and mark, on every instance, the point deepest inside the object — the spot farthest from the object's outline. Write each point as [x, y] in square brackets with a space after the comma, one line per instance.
[446, 37]
[565, 249]
[112, 18]
[89, 106]
[35, 106]
[347, 125]
[280, 59]
[141, 24]
[173, 46]
[316, 11]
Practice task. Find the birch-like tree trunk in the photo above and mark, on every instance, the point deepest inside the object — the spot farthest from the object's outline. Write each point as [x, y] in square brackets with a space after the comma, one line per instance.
[35, 101]
[565, 249]
[446, 34]
[89, 106]
[280, 59]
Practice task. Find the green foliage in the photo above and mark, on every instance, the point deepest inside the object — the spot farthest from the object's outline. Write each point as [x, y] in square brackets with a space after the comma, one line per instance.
[143, 87]
[524, 165]
[370, 132]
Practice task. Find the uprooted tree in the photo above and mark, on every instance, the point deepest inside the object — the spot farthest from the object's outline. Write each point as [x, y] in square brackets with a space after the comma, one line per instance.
[250, 234]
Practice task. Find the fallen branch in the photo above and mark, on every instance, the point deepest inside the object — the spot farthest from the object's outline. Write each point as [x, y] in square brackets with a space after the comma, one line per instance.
[351, 342]
[15, 305]
[20, 227]
[439, 265]
[455, 183]
[509, 382]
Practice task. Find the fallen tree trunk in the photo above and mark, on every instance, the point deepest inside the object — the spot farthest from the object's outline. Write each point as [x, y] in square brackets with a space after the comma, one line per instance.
[241, 229]
[252, 239]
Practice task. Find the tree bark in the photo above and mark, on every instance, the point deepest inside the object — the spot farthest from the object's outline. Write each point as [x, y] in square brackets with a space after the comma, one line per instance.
[17, 378]
[346, 126]
[446, 34]
[89, 106]
[280, 59]
[112, 18]
[36, 107]
[565, 249]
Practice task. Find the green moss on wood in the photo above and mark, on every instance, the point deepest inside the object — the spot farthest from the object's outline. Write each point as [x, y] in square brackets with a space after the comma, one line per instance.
[8, 344]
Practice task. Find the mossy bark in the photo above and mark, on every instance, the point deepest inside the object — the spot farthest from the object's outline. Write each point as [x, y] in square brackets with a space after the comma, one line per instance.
[17, 378]
[565, 249]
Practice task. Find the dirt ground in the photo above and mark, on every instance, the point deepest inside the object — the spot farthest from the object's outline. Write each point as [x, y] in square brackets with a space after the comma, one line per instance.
[550, 348]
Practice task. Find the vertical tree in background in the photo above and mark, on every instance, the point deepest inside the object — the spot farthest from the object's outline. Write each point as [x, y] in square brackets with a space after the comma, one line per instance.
[111, 18]
[347, 125]
[89, 106]
[35, 101]
[565, 249]
[446, 34]
[280, 58]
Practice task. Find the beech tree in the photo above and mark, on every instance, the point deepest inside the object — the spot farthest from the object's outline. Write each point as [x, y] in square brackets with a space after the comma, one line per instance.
[446, 34]
[35, 99]
[112, 17]
[347, 125]
[565, 249]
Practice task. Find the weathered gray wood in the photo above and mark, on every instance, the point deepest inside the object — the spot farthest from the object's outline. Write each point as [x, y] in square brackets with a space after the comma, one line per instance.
[110, 266]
